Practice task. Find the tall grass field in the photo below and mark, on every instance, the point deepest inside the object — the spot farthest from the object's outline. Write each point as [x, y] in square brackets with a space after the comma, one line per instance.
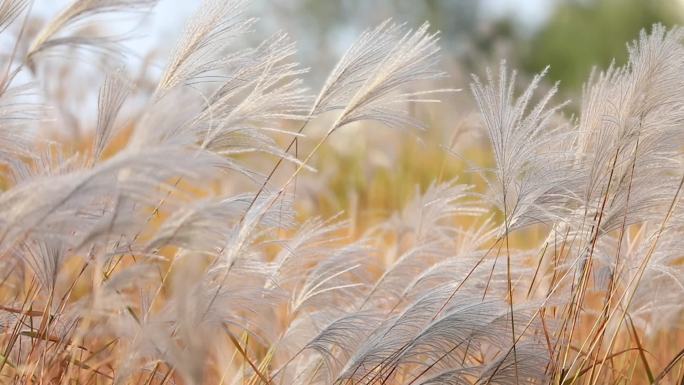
[214, 221]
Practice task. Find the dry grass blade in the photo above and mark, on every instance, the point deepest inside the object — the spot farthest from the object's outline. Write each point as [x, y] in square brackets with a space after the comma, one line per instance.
[10, 10]
[412, 58]
[109, 102]
[216, 24]
[61, 31]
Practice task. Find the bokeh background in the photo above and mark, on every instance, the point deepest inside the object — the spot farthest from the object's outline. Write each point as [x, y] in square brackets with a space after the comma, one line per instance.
[369, 172]
[569, 35]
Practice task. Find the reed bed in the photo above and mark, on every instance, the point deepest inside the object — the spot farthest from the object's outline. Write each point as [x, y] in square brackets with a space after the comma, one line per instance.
[179, 240]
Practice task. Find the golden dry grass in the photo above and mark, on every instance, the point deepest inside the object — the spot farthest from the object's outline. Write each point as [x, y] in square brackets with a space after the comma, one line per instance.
[189, 238]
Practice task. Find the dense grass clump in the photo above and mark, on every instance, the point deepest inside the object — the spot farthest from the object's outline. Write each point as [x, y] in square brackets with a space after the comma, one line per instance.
[175, 242]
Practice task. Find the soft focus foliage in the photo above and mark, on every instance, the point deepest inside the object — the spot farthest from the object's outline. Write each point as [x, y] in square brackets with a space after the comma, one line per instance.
[568, 43]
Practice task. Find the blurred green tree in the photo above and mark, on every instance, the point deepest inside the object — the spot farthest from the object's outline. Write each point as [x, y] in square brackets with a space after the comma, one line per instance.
[577, 35]
[581, 34]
